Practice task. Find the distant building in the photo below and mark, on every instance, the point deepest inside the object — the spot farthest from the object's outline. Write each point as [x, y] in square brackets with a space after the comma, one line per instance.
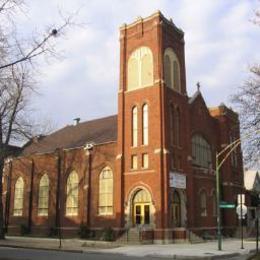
[252, 186]
[150, 168]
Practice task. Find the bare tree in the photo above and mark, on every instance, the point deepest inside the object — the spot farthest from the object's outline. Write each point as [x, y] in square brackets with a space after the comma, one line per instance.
[16, 81]
[13, 50]
[247, 101]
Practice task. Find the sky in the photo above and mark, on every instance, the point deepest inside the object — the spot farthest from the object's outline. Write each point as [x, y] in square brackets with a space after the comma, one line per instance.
[220, 45]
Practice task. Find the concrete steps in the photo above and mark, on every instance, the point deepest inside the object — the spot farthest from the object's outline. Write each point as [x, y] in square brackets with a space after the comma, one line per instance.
[131, 236]
[193, 238]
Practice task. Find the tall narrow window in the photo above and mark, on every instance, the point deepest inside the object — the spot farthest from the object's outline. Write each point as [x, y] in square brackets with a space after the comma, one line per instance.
[145, 124]
[203, 204]
[72, 202]
[134, 162]
[172, 70]
[176, 79]
[18, 197]
[134, 127]
[177, 126]
[172, 125]
[145, 161]
[167, 71]
[43, 202]
[106, 192]
[147, 69]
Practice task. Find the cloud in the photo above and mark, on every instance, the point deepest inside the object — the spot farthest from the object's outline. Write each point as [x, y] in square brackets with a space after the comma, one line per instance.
[220, 43]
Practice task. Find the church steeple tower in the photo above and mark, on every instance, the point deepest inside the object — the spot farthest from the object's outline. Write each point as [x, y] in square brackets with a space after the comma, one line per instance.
[152, 73]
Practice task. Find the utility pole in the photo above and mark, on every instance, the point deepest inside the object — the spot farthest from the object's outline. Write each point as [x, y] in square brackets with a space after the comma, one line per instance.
[218, 207]
[226, 153]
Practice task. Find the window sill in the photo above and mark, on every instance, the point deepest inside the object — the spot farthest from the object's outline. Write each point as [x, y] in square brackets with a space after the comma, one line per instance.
[110, 215]
[42, 216]
[71, 216]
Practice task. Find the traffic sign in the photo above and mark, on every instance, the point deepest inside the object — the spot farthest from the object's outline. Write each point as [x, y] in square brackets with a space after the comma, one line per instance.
[241, 211]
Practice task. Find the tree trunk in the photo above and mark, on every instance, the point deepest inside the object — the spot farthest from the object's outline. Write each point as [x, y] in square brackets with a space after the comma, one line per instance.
[2, 230]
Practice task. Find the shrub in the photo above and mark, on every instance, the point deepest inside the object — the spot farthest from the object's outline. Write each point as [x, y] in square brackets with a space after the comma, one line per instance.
[108, 234]
[53, 232]
[84, 231]
[24, 230]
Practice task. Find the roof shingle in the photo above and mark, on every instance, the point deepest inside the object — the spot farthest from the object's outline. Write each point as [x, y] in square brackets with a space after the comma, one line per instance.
[98, 131]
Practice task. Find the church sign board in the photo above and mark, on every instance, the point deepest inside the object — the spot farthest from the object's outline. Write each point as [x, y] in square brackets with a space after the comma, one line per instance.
[177, 180]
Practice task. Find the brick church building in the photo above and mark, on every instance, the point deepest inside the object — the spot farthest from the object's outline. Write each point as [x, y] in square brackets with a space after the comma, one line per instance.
[149, 168]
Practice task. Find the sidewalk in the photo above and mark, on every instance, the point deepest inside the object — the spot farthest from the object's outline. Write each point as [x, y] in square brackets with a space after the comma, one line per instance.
[207, 250]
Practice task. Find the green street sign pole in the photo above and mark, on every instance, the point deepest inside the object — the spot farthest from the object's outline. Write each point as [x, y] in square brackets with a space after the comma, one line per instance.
[218, 208]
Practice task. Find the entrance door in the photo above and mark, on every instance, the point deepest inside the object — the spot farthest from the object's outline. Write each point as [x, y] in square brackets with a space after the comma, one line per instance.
[177, 215]
[141, 214]
[176, 209]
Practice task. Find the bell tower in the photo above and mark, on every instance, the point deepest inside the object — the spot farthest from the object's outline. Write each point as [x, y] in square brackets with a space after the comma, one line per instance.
[152, 76]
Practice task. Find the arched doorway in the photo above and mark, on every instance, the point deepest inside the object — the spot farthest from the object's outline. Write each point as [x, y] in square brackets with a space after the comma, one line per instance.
[141, 208]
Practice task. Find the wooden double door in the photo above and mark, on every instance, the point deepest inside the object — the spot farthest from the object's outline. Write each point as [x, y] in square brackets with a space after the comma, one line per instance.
[141, 214]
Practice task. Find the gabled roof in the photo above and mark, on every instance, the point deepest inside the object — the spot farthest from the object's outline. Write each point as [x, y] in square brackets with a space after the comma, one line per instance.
[99, 131]
[194, 97]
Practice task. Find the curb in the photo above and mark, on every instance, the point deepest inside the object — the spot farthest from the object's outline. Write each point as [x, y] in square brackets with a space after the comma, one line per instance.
[183, 257]
[43, 248]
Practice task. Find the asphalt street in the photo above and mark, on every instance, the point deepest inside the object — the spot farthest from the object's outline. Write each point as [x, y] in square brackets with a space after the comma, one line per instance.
[31, 254]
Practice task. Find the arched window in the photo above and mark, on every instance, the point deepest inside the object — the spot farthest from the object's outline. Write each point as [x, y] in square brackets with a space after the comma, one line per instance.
[72, 202]
[43, 201]
[145, 124]
[203, 203]
[106, 192]
[133, 77]
[167, 71]
[201, 152]
[140, 69]
[18, 197]
[134, 127]
[172, 70]
[176, 76]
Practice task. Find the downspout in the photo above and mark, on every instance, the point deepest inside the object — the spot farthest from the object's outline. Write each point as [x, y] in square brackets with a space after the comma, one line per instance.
[58, 206]
[31, 198]
[122, 166]
[89, 154]
[8, 196]
[164, 181]
[89, 148]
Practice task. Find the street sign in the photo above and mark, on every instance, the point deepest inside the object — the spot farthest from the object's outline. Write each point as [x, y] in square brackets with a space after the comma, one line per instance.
[241, 211]
[240, 198]
[177, 180]
[227, 206]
